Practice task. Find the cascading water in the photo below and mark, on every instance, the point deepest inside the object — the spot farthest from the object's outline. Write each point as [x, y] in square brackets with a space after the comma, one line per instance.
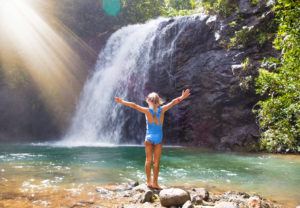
[125, 55]
[121, 70]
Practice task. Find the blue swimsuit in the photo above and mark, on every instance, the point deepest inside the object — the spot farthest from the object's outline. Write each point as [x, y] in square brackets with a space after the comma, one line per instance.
[154, 131]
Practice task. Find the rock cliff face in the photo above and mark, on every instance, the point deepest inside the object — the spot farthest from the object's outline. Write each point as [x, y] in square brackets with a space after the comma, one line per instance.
[195, 52]
[218, 112]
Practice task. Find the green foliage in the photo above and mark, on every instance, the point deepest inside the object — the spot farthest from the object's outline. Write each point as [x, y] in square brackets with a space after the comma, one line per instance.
[180, 7]
[140, 10]
[262, 38]
[246, 76]
[241, 37]
[171, 12]
[143, 10]
[254, 2]
[259, 35]
[279, 112]
[246, 63]
[232, 24]
[222, 7]
[181, 4]
[246, 82]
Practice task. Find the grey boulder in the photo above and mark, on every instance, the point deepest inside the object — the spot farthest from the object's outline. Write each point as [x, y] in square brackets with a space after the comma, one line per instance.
[173, 197]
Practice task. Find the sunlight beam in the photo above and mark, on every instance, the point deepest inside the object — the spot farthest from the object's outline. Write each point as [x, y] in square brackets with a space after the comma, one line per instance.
[53, 65]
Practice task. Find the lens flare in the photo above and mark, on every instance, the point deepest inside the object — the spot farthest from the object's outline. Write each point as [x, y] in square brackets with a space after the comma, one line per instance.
[29, 42]
[111, 7]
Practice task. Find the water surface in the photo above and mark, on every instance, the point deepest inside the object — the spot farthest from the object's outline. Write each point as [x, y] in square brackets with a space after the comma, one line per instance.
[31, 168]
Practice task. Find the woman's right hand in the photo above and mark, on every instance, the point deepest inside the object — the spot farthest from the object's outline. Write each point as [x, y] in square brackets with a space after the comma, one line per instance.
[118, 100]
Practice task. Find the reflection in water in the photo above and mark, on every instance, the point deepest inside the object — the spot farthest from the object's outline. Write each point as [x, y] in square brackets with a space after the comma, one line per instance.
[51, 176]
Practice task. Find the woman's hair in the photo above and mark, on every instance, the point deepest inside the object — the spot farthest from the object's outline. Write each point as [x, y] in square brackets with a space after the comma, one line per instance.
[154, 98]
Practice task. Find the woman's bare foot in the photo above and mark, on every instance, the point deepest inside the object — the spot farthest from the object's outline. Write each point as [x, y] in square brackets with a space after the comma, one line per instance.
[149, 185]
[156, 186]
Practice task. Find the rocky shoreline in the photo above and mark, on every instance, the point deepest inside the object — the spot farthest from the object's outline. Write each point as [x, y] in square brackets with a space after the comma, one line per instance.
[133, 195]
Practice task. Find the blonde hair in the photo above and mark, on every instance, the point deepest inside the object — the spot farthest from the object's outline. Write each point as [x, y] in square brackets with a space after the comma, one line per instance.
[154, 98]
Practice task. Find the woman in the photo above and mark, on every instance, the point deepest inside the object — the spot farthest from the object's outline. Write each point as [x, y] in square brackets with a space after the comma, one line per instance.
[154, 121]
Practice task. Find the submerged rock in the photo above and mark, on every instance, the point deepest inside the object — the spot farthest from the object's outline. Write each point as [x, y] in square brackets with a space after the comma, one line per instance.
[173, 197]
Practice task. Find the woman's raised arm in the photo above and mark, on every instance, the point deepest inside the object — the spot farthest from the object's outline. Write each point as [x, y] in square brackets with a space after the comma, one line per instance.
[185, 93]
[131, 105]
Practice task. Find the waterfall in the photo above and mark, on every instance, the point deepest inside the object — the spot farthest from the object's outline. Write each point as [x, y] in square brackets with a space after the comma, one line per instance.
[121, 70]
[124, 60]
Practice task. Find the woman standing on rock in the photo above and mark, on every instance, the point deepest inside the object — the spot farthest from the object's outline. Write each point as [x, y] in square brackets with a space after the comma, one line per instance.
[154, 120]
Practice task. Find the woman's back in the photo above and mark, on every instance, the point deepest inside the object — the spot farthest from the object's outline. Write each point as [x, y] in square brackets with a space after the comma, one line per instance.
[154, 124]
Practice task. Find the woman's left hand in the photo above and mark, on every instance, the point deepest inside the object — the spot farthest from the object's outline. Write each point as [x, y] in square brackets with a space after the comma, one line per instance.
[185, 93]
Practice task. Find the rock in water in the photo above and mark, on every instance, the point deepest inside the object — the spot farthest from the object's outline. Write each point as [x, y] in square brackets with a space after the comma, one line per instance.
[173, 197]
[226, 205]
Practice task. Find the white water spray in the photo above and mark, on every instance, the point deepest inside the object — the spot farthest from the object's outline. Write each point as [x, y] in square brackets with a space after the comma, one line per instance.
[125, 55]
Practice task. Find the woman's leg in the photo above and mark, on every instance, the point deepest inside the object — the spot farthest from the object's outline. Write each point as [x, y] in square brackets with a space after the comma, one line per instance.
[148, 150]
[156, 161]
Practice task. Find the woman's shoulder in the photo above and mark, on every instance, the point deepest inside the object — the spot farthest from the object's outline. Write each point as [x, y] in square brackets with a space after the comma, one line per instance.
[161, 108]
